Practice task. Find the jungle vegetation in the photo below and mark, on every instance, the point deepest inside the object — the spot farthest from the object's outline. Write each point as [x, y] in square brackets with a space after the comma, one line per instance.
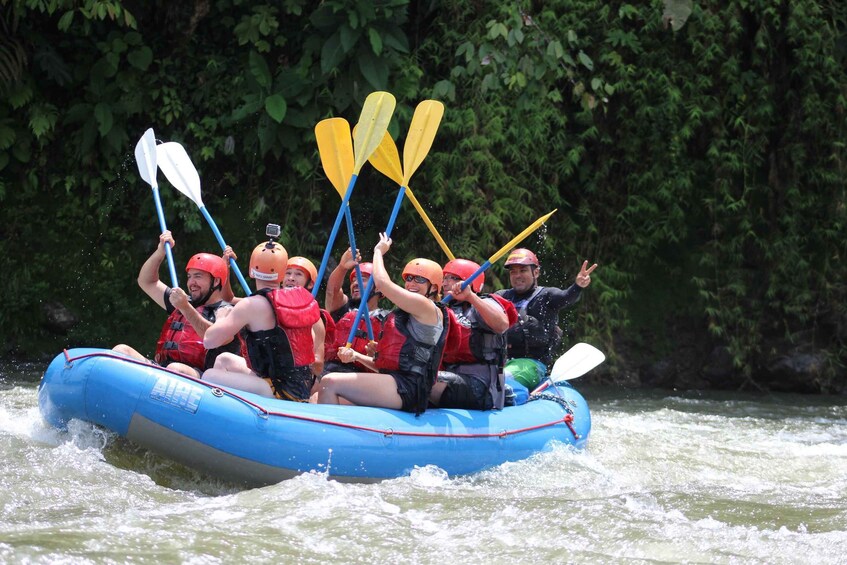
[694, 149]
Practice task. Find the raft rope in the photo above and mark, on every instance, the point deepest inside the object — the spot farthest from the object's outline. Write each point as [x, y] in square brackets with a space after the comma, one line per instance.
[561, 402]
[264, 412]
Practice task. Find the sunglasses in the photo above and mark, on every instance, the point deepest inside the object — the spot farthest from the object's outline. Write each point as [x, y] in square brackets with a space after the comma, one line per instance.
[416, 278]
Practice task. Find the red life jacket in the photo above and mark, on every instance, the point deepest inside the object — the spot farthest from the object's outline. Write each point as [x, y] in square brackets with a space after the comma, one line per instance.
[399, 350]
[290, 343]
[329, 337]
[360, 337]
[179, 341]
[469, 342]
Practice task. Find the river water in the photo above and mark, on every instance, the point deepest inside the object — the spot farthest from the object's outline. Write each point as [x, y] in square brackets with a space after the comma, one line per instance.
[667, 478]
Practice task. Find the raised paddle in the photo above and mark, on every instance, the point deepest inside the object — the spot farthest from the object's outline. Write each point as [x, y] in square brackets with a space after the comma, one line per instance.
[387, 161]
[373, 122]
[503, 250]
[574, 363]
[422, 131]
[335, 147]
[180, 171]
[145, 156]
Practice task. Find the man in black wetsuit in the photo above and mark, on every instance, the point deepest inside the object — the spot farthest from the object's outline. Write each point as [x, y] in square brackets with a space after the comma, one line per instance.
[534, 339]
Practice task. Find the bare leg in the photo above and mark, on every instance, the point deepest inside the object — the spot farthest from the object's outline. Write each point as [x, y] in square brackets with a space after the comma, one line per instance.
[248, 382]
[184, 369]
[232, 362]
[362, 389]
[129, 352]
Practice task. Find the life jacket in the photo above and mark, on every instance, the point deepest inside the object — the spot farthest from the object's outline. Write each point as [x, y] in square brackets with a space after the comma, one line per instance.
[329, 335]
[398, 350]
[360, 337]
[469, 342]
[179, 341]
[272, 352]
[532, 337]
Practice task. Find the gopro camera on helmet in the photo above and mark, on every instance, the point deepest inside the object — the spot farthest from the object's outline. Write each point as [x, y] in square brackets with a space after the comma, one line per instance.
[273, 231]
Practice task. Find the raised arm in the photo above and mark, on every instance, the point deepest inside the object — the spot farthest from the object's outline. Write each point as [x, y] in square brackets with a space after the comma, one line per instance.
[148, 276]
[417, 305]
[335, 297]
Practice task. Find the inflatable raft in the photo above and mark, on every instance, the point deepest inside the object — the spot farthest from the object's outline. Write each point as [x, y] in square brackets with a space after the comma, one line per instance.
[253, 440]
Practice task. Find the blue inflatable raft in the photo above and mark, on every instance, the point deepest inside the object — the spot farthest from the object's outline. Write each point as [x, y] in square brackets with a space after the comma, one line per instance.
[253, 440]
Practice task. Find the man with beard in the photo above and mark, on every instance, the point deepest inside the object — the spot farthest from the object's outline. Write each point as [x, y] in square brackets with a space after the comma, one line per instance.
[344, 309]
[533, 340]
[180, 345]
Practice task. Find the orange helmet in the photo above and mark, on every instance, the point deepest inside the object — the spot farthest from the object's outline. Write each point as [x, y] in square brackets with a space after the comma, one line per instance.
[304, 265]
[268, 262]
[211, 264]
[521, 256]
[365, 268]
[428, 269]
[464, 268]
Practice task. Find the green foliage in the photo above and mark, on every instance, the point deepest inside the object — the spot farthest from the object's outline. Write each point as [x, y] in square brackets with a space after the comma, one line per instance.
[694, 149]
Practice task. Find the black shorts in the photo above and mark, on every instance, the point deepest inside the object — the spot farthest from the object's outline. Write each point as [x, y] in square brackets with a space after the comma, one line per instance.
[295, 384]
[413, 389]
[464, 391]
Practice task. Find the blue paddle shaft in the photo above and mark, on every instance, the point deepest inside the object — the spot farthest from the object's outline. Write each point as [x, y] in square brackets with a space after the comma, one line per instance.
[161, 214]
[333, 234]
[222, 243]
[349, 216]
[367, 293]
[449, 298]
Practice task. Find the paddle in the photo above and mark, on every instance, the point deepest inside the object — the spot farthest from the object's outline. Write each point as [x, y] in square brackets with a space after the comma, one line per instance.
[422, 130]
[373, 122]
[506, 248]
[180, 171]
[387, 161]
[335, 147]
[145, 157]
[574, 363]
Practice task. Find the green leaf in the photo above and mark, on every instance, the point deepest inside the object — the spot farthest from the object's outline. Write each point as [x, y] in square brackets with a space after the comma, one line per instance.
[276, 106]
[376, 41]
[349, 37]
[331, 54]
[374, 69]
[260, 70]
[103, 115]
[140, 58]
[66, 20]
[7, 137]
[586, 61]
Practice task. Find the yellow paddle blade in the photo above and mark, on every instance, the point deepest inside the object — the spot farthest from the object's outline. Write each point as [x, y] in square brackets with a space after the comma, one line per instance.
[520, 237]
[428, 223]
[372, 125]
[386, 159]
[335, 147]
[421, 134]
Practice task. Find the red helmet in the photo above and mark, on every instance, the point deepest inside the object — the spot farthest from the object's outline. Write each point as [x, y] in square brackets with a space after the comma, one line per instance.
[521, 256]
[463, 268]
[211, 264]
[428, 269]
[304, 265]
[268, 262]
[365, 268]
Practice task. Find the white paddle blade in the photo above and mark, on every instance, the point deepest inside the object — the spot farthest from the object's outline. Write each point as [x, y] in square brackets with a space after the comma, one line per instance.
[179, 170]
[145, 157]
[575, 362]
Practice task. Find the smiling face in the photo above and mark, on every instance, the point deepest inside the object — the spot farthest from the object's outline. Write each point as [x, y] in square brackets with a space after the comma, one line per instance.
[355, 292]
[447, 284]
[294, 276]
[417, 284]
[523, 277]
[199, 282]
